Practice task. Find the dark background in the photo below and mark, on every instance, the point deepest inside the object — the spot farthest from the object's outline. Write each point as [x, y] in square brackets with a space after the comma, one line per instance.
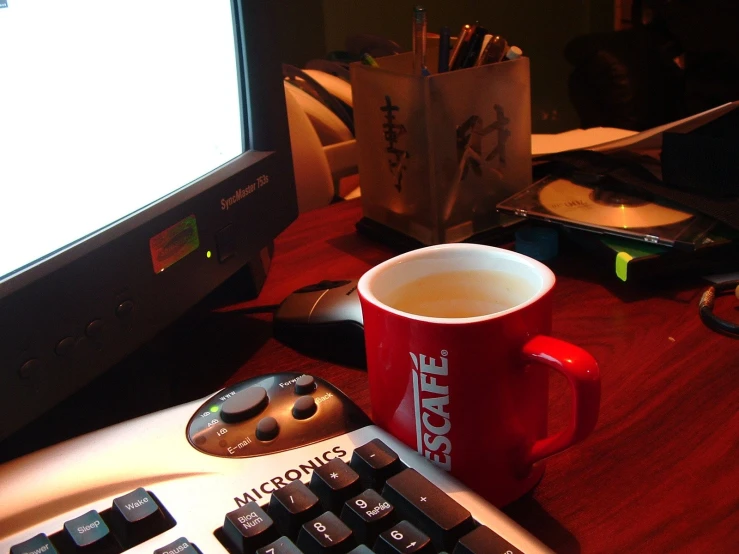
[541, 28]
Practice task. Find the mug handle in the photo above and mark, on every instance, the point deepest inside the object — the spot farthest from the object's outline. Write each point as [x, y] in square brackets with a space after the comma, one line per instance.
[583, 375]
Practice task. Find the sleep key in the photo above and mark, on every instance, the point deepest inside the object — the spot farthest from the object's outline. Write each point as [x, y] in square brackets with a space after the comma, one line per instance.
[40, 544]
[87, 529]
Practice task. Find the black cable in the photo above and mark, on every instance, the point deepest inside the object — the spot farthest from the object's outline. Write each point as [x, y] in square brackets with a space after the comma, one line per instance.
[266, 309]
[705, 309]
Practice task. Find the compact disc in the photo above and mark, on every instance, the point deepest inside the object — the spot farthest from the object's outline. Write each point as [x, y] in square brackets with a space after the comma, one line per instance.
[605, 208]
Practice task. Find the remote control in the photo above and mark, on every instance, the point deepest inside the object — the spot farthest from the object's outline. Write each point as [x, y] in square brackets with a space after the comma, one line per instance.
[274, 464]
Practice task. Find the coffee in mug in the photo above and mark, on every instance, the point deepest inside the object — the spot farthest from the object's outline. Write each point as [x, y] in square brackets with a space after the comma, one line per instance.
[460, 294]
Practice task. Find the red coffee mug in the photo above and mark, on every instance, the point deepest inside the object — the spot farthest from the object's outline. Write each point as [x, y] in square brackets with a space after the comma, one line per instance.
[468, 387]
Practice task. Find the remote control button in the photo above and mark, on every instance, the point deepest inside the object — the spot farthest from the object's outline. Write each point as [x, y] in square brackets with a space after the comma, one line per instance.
[483, 540]
[305, 384]
[325, 534]
[304, 407]
[89, 531]
[38, 544]
[334, 483]
[293, 505]
[180, 546]
[434, 512]
[267, 428]
[136, 517]
[368, 515]
[404, 538]
[375, 463]
[244, 404]
[249, 528]
[283, 545]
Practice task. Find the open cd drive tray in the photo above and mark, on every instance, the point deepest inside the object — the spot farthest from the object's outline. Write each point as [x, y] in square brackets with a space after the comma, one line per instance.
[602, 206]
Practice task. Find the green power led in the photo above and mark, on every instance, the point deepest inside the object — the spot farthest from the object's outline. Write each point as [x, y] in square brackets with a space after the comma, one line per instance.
[208, 254]
[214, 409]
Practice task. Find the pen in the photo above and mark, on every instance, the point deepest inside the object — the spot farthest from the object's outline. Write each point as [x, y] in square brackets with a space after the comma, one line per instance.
[419, 40]
[483, 49]
[444, 50]
[473, 50]
[497, 47]
[464, 35]
[513, 53]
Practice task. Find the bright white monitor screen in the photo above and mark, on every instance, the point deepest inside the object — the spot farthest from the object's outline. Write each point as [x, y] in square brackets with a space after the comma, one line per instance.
[105, 108]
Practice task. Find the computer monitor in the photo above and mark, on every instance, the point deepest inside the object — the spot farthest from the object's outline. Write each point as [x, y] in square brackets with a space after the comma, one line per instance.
[144, 160]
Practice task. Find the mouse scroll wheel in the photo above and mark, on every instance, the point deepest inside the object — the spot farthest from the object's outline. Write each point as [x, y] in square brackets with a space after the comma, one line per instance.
[323, 285]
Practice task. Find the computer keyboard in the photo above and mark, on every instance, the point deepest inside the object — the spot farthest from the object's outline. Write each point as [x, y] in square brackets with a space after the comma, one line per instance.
[277, 464]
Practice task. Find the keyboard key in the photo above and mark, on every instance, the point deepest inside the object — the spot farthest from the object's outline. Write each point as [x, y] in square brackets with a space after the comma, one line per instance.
[429, 508]
[368, 515]
[325, 535]
[283, 545]
[90, 532]
[375, 462]
[136, 517]
[40, 544]
[361, 549]
[293, 505]
[304, 407]
[403, 538]
[267, 429]
[305, 384]
[244, 404]
[249, 528]
[180, 546]
[334, 483]
[484, 541]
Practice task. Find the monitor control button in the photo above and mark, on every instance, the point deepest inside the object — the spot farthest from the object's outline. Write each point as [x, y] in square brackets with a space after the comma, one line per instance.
[226, 242]
[65, 346]
[30, 368]
[94, 329]
[124, 309]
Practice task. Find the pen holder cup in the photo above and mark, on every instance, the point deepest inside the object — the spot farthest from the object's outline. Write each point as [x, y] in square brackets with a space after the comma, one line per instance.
[438, 152]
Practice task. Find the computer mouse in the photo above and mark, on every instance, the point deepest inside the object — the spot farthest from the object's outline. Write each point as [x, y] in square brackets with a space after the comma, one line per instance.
[323, 320]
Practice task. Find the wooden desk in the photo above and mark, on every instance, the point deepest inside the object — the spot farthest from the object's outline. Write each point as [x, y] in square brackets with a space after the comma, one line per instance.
[660, 472]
